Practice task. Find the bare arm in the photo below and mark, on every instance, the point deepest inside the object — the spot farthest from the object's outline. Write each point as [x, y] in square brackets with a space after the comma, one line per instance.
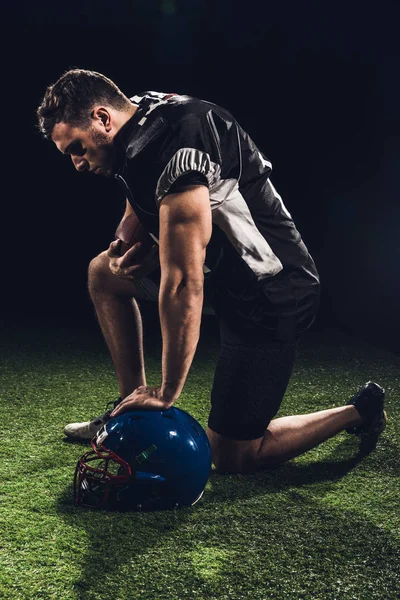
[185, 230]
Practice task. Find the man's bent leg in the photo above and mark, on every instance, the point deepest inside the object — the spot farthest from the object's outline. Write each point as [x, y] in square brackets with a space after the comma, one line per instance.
[285, 438]
[248, 388]
[120, 321]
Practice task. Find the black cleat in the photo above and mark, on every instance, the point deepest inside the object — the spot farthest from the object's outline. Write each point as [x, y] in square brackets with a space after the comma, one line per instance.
[369, 402]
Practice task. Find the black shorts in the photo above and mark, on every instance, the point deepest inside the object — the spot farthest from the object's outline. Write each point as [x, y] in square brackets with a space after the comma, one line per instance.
[250, 381]
[254, 365]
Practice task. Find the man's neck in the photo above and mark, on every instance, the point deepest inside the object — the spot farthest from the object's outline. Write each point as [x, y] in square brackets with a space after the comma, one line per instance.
[123, 117]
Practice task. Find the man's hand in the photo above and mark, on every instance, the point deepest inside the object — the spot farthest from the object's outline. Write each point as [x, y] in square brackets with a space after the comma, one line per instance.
[125, 266]
[145, 398]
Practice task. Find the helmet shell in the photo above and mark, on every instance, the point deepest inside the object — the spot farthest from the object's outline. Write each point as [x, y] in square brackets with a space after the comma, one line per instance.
[174, 457]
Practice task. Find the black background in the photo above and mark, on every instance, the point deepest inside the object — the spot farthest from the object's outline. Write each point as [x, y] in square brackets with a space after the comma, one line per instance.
[316, 86]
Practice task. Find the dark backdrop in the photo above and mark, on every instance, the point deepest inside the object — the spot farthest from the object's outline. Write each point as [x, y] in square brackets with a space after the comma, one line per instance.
[314, 83]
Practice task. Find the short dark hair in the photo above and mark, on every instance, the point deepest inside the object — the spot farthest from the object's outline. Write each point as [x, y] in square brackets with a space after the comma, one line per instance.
[72, 96]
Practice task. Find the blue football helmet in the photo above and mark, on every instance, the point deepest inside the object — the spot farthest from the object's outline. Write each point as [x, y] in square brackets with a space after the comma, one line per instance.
[145, 460]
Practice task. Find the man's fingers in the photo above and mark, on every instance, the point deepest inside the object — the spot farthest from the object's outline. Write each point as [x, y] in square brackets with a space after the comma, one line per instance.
[119, 408]
[114, 249]
[123, 407]
[130, 402]
[130, 253]
[135, 249]
[128, 266]
[115, 412]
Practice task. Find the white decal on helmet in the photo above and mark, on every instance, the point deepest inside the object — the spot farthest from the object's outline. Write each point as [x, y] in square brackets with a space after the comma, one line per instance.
[101, 435]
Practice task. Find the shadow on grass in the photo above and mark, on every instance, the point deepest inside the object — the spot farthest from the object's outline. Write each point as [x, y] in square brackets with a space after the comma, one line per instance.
[290, 474]
[115, 543]
[83, 443]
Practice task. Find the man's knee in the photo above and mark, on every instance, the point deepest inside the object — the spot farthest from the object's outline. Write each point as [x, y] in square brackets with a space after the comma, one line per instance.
[233, 456]
[102, 281]
[98, 273]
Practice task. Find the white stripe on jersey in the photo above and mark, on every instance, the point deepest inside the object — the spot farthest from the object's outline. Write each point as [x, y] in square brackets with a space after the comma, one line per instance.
[184, 161]
[151, 108]
[159, 97]
[136, 99]
[234, 218]
[265, 162]
[278, 197]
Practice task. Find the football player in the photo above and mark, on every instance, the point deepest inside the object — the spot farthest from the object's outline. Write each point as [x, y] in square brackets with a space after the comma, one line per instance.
[225, 240]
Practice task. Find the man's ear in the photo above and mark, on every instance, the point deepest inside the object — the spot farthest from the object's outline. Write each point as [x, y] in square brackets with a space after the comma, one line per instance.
[102, 114]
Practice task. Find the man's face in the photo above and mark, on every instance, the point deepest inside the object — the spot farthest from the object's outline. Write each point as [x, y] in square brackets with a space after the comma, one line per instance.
[90, 149]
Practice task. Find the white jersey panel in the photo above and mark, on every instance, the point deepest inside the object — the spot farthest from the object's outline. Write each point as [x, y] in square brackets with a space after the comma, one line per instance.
[233, 217]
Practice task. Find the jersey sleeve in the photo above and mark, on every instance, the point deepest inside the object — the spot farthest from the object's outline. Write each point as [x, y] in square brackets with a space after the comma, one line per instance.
[186, 180]
[189, 158]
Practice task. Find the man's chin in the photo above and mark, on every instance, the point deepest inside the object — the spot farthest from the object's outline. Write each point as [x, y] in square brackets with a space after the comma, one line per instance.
[103, 171]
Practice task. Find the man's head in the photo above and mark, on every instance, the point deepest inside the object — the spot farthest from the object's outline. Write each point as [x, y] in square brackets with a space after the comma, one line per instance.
[81, 113]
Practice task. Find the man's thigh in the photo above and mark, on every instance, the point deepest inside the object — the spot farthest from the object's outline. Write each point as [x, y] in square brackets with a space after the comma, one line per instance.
[248, 387]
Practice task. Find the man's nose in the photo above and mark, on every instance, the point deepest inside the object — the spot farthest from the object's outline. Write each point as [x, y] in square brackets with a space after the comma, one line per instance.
[79, 163]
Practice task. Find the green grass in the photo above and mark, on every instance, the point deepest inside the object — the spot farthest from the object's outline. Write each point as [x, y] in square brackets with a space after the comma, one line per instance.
[323, 526]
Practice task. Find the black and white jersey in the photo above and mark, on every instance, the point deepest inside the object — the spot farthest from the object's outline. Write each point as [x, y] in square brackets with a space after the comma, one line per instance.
[175, 140]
